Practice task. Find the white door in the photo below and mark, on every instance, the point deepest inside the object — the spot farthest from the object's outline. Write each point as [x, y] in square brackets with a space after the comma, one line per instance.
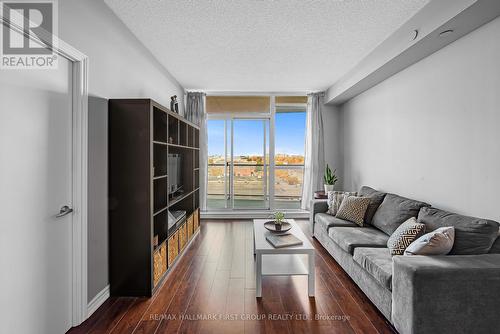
[35, 182]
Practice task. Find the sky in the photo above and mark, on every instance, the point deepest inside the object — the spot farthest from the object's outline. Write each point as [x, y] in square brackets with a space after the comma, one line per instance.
[249, 139]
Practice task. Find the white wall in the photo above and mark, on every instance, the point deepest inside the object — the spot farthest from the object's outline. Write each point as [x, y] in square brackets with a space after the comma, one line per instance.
[120, 66]
[431, 132]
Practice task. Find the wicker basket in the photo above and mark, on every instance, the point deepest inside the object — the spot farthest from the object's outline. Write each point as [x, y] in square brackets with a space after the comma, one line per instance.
[190, 226]
[182, 236]
[173, 248]
[196, 219]
[159, 263]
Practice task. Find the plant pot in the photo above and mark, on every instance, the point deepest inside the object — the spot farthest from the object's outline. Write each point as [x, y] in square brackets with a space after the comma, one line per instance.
[328, 187]
[277, 227]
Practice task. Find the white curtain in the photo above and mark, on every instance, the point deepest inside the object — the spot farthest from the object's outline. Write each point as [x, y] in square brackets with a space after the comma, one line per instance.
[195, 112]
[315, 155]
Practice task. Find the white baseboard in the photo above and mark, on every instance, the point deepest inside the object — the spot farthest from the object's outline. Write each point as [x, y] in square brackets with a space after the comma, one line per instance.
[97, 301]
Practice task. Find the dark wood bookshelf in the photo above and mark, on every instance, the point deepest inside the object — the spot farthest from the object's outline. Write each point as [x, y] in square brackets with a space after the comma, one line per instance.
[142, 134]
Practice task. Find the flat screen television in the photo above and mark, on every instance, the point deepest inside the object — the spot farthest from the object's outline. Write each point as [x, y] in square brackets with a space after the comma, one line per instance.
[174, 173]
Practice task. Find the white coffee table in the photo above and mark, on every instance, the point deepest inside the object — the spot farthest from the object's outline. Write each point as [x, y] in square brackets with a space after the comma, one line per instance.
[286, 261]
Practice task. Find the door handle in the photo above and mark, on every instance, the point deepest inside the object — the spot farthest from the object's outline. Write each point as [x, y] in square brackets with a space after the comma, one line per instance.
[65, 210]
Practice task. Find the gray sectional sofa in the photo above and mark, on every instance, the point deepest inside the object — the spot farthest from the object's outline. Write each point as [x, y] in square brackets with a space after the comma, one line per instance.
[455, 293]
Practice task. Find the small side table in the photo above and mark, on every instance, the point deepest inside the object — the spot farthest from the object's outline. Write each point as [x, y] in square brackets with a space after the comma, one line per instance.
[320, 195]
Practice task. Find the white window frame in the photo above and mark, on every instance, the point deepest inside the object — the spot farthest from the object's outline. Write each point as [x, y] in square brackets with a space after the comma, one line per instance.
[229, 117]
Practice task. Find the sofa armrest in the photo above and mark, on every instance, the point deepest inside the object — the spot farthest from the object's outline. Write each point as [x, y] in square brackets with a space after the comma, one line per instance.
[317, 206]
[446, 294]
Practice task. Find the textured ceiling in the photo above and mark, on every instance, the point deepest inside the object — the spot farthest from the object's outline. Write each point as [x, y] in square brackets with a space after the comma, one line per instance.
[262, 45]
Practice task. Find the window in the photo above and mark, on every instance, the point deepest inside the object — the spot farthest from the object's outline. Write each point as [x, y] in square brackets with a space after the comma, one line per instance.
[290, 126]
[217, 191]
[240, 173]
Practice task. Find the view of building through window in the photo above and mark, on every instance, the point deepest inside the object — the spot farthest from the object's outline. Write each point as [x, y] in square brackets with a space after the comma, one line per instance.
[216, 164]
[289, 158]
[246, 183]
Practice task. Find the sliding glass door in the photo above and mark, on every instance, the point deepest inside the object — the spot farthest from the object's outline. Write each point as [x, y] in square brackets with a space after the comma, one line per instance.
[238, 165]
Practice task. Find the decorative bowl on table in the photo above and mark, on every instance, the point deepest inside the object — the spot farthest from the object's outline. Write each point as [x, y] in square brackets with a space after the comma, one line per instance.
[277, 228]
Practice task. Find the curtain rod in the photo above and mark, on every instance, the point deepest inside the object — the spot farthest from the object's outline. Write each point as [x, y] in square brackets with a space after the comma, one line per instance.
[236, 93]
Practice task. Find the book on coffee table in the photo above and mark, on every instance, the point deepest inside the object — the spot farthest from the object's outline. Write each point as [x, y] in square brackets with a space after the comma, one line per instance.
[283, 240]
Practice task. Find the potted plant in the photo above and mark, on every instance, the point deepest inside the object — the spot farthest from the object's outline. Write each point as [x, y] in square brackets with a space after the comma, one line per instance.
[330, 179]
[279, 218]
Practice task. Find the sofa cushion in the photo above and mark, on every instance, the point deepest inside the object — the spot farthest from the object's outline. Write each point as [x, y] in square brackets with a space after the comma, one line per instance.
[326, 221]
[377, 262]
[353, 209]
[335, 199]
[376, 198]
[437, 242]
[473, 236]
[404, 235]
[394, 211]
[348, 238]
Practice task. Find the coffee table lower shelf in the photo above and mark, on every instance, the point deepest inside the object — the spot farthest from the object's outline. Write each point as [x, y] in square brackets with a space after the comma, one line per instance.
[284, 264]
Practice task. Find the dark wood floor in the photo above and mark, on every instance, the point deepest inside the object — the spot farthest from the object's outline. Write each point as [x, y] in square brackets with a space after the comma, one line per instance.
[213, 286]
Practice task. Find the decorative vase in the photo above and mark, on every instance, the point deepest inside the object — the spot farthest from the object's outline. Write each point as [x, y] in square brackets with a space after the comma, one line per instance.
[277, 227]
[328, 187]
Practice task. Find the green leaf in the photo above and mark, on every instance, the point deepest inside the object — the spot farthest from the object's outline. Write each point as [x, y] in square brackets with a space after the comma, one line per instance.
[329, 177]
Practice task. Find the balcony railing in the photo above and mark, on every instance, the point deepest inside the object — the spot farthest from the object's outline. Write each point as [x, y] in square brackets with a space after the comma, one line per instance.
[250, 185]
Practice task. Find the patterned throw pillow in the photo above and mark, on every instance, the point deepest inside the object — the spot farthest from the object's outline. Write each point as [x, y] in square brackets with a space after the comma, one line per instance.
[353, 209]
[404, 235]
[335, 199]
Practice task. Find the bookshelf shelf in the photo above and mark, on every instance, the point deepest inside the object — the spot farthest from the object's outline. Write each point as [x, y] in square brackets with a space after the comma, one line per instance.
[183, 146]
